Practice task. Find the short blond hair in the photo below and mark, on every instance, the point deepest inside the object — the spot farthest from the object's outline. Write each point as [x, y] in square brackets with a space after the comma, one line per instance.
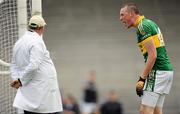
[132, 7]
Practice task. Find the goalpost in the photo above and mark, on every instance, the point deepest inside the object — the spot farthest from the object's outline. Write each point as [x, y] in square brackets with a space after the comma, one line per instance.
[14, 16]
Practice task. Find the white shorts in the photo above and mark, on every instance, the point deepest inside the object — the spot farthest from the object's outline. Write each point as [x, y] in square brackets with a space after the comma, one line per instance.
[159, 81]
[153, 99]
[157, 85]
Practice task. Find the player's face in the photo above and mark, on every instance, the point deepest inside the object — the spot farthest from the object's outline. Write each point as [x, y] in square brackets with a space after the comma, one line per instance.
[126, 17]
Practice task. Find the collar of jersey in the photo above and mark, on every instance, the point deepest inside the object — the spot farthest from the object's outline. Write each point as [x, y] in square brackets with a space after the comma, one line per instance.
[138, 20]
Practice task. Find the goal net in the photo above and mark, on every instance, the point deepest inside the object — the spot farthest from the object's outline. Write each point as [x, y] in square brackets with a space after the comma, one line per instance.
[14, 15]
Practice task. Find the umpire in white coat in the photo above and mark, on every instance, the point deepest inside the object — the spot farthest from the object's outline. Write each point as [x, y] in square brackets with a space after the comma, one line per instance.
[34, 74]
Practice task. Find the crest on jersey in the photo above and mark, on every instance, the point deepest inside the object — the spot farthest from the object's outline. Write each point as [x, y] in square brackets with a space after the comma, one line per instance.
[141, 30]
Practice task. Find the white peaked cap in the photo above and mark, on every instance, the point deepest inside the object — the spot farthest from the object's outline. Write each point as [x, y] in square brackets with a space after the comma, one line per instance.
[37, 21]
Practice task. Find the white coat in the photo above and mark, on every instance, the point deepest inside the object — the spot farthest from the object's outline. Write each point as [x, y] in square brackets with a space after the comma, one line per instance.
[32, 64]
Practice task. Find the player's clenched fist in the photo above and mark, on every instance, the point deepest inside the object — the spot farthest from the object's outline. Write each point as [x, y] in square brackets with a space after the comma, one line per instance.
[139, 86]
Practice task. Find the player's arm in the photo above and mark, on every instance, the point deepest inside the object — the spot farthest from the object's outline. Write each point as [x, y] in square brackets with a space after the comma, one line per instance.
[149, 45]
[151, 50]
[152, 54]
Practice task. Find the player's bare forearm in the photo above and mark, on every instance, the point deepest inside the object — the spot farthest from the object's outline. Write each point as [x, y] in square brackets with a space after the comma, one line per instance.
[151, 50]
[148, 67]
[152, 54]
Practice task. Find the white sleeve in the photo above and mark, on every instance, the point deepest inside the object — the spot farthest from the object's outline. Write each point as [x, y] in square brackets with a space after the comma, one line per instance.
[13, 69]
[36, 57]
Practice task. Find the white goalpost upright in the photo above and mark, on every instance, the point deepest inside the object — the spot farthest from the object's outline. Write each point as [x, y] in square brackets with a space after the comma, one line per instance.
[22, 17]
[36, 6]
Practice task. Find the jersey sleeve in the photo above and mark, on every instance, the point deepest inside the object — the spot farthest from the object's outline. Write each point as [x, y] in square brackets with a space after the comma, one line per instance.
[145, 31]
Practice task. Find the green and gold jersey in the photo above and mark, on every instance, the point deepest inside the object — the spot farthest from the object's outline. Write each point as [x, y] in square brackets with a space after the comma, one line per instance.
[148, 30]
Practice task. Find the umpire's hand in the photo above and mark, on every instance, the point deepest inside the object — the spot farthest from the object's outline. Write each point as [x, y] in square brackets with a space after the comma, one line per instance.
[139, 86]
[16, 84]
